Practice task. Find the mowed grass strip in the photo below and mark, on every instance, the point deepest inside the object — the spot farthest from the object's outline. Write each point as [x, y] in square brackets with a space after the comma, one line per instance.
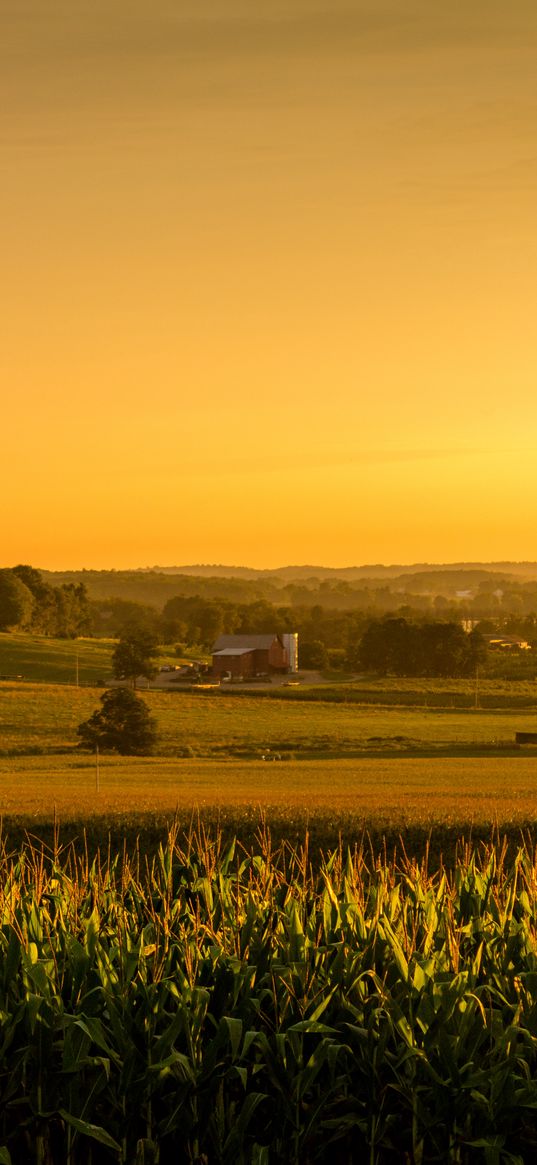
[421, 692]
[41, 717]
[419, 791]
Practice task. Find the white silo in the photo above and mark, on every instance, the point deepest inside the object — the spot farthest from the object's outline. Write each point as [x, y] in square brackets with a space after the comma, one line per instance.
[290, 642]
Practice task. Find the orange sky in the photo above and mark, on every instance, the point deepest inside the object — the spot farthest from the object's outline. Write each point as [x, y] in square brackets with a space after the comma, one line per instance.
[268, 281]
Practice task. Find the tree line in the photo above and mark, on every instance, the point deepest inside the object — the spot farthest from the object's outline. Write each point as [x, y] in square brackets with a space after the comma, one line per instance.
[400, 648]
[29, 603]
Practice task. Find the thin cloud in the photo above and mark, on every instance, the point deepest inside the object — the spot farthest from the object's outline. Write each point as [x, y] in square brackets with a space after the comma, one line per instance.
[254, 465]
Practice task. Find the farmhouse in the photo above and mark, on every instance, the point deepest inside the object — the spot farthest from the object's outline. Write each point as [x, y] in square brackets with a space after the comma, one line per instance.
[254, 655]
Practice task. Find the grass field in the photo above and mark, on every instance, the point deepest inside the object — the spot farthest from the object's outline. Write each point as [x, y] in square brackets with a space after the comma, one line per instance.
[422, 692]
[43, 718]
[36, 658]
[54, 661]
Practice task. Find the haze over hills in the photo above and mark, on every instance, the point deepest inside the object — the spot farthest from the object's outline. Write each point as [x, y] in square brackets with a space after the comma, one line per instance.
[377, 570]
[377, 586]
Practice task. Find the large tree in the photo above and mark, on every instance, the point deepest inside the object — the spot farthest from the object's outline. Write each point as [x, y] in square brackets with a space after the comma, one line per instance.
[43, 618]
[16, 601]
[123, 724]
[313, 654]
[135, 655]
[72, 610]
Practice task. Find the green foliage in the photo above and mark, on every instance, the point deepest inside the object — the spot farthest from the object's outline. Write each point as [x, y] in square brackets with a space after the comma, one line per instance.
[313, 654]
[59, 611]
[16, 601]
[72, 611]
[114, 617]
[397, 647]
[123, 725]
[240, 1007]
[135, 655]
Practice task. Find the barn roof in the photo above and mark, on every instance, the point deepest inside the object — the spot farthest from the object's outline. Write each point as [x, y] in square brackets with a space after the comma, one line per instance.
[248, 642]
[234, 651]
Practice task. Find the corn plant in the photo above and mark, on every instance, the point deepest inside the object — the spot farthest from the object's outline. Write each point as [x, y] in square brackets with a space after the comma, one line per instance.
[222, 1005]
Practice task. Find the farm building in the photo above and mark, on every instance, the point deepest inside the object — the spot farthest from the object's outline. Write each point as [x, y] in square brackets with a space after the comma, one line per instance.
[254, 655]
[508, 643]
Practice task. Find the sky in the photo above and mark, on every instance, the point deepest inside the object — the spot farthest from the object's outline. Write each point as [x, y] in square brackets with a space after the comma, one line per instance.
[268, 281]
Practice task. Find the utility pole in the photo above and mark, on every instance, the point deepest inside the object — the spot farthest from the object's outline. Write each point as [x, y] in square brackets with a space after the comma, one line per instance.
[96, 768]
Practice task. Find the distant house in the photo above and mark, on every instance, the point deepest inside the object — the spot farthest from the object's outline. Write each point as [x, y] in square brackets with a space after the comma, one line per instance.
[254, 655]
[508, 643]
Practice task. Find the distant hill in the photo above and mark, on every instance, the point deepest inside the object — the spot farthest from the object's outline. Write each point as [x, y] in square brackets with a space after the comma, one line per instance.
[292, 585]
[526, 570]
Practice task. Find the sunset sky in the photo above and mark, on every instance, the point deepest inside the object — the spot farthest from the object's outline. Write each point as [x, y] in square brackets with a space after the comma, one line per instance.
[268, 281]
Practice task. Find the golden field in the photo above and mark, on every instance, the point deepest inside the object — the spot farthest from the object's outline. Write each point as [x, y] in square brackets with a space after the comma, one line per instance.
[398, 791]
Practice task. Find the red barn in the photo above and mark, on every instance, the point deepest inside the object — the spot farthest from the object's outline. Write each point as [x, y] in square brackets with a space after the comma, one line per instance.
[249, 655]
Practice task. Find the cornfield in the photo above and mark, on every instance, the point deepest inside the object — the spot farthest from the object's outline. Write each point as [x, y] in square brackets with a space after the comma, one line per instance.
[215, 1005]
